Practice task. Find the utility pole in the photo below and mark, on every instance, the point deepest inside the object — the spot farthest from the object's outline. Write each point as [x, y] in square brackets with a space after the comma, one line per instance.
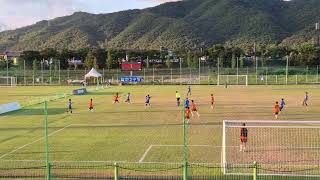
[287, 69]
[255, 59]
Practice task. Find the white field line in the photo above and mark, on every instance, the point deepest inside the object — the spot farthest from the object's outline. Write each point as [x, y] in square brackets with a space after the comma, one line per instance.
[28, 144]
[145, 154]
[137, 125]
[271, 174]
[174, 145]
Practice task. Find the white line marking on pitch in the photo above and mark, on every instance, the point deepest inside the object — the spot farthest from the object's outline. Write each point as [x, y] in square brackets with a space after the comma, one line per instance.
[145, 154]
[162, 145]
[21, 147]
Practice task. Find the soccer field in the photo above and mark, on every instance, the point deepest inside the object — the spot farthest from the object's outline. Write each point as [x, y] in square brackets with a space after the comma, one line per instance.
[132, 133]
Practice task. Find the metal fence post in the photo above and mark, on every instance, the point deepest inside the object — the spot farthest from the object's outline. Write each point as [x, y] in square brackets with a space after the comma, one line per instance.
[171, 76]
[185, 145]
[296, 78]
[116, 171]
[255, 170]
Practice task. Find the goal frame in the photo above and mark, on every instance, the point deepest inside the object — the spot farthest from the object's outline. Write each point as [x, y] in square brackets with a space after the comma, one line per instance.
[10, 81]
[237, 76]
[224, 164]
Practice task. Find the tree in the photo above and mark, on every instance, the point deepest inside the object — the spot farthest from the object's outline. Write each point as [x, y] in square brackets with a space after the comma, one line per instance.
[49, 53]
[100, 55]
[109, 59]
[34, 67]
[147, 63]
[30, 56]
[189, 60]
[56, 67]
[242, 59]
[89, 62]
[95, 63]
[195, 62]
[233, 61]
[168, 62]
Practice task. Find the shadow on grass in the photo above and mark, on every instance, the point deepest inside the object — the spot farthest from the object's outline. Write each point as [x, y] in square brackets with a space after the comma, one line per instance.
[36, 111]
[43, 152]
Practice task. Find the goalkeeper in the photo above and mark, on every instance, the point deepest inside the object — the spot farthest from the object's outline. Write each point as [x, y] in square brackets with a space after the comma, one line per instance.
[243, 138]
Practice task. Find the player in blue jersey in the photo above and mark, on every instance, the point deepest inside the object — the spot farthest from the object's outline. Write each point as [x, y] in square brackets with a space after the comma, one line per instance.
[282, 104]
[148, 98]
[187, 103]
[70, 106]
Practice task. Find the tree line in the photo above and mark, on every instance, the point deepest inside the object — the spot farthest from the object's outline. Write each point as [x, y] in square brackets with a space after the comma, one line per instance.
[218, 55]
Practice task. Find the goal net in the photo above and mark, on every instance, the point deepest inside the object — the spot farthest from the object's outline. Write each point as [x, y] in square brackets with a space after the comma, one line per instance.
[280, 148]
[8, 81]
[233, 79]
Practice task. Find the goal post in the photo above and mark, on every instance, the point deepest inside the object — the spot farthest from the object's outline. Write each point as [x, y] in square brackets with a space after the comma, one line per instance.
[232, 80]
[281, 148]
[8, 81]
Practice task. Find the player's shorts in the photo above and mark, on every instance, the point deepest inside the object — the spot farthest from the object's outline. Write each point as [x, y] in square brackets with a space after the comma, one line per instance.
[212, 102]
[187, 117]
[194, 109]
[116, 100]
[91, 107]
[243, 139]
[276, 113]
[178, 99]
[70, 107]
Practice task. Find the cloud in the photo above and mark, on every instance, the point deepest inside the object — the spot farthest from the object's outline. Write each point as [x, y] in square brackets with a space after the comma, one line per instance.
[18, 13]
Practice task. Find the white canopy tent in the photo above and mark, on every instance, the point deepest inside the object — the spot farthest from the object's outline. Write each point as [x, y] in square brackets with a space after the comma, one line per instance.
[95, 74]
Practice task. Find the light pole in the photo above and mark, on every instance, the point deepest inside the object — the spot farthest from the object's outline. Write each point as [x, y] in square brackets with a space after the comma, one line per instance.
[287, 69]
[42, 71]
[199, 70]
[180, 70]
[7, 60]
[237, 70]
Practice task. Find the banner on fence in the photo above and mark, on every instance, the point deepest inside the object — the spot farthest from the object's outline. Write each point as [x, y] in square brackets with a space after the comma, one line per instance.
[5, 108]
[131, 79]
[79, 91]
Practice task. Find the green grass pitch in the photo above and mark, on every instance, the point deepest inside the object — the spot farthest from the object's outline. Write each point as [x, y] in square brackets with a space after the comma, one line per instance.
[132, 133]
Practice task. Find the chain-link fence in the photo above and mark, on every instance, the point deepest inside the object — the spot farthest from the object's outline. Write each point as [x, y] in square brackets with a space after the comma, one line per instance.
[142, 171]
[202, 75]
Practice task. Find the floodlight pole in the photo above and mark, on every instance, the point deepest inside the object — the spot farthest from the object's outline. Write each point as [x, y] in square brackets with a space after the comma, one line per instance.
[42, 71]
[218, 83]
[287, 69]
[7, 60]
[180, 69]
[199, 70]
[24, 72]
[237, 70]
[46, 140]
[185, 146]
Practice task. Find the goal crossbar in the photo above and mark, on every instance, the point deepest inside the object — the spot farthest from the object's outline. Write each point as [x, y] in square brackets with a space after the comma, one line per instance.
[229, 77]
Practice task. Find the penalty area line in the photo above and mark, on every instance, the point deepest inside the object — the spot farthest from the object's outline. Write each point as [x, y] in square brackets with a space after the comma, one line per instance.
[173, 145]
[145, 154]
[28, 144]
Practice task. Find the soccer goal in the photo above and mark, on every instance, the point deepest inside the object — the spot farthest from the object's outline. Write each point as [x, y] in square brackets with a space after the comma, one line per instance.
[8, 81]
[280, 148]
[233, 79]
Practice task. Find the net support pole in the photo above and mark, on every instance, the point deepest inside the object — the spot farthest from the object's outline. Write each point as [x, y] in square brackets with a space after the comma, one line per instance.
[255, 170]
[116, 171]
[46, 140]
[224, 147]
[185, 147]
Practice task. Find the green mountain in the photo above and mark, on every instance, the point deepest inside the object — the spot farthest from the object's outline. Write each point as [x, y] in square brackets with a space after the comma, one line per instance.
[185, 24]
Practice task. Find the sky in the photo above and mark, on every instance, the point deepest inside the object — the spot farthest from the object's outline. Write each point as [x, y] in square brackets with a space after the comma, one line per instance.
[19, 13]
